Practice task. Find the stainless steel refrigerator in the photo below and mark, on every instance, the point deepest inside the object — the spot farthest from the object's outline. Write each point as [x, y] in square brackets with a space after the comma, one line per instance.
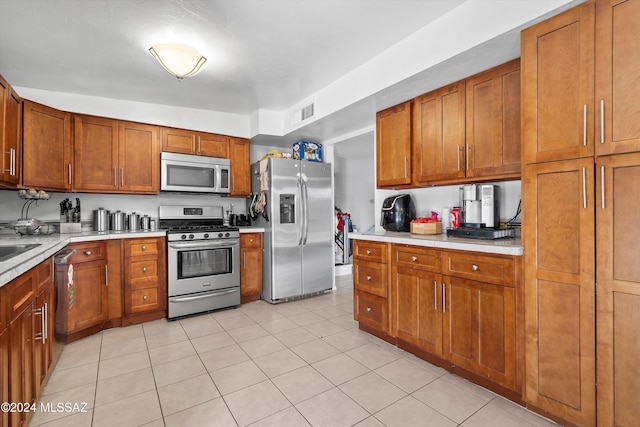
[298, 220]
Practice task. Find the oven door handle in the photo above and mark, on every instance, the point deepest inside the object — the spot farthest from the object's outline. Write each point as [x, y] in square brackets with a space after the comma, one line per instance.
[208, 295]
[205, 245]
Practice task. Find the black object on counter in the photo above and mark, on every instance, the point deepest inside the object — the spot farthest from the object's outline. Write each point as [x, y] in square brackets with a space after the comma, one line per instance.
[397, 213]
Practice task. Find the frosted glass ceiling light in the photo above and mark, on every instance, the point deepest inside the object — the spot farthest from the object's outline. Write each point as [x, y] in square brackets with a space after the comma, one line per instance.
[178, 59]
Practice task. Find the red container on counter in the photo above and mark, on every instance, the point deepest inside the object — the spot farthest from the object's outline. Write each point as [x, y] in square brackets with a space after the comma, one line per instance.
[455, 218]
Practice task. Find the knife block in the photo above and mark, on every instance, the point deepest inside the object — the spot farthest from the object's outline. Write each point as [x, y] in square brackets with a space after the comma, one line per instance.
[70, 227]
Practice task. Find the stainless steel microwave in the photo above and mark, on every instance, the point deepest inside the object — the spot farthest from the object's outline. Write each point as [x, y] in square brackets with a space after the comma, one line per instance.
[191, 173]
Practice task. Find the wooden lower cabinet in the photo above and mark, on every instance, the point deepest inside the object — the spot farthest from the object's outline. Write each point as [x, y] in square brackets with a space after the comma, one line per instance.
[251, 268]
[4, 370]
[145, 280]
[370, 284]
[43, 324]
[371, 311]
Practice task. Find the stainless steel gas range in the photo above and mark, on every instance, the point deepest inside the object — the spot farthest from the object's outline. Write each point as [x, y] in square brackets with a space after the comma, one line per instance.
[203, 259]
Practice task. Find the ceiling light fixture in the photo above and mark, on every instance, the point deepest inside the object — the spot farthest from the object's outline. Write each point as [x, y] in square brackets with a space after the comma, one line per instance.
[178, 59]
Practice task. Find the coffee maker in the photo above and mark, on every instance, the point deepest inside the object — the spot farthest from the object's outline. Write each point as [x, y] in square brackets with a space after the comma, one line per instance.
[480, 206]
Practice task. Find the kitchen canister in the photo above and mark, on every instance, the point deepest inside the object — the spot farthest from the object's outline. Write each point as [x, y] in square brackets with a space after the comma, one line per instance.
[118, 220]
[133, 221]
[145, 222]
[100, 219]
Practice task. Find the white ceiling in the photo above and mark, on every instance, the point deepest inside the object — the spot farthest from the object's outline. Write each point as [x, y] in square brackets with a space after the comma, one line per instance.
[262, 54]
[265, 54]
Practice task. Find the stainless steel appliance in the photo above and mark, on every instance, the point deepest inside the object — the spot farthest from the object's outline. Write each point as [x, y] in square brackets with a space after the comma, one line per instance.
[203, 259]
[397, 213]
[298, 220]
[480, 205]
[190, 173]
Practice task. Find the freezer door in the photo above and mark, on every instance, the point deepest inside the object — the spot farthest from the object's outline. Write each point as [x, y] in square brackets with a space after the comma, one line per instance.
[317, 248]
[285, 229]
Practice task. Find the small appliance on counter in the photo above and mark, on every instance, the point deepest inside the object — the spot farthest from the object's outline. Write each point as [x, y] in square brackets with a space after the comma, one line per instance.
[397, 213]
[239, 220]
[480, 213]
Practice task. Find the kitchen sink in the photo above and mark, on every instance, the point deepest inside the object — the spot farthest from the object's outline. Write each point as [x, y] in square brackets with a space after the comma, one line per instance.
[9, 251]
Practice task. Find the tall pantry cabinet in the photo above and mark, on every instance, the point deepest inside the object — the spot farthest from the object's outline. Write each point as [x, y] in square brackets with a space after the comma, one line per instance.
[581, 143]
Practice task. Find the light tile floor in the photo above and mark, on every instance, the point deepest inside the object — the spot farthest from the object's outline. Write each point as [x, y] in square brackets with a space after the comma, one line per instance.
[293, 364]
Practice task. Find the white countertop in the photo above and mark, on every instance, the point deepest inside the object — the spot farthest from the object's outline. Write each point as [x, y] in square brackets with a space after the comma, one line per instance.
[51, 244]
[505, 246]
[251, 229]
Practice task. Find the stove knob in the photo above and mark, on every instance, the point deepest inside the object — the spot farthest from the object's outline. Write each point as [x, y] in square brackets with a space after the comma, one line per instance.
[220, 234]
[206, 235]
[191, 236]
[227, 234]
[184, 236]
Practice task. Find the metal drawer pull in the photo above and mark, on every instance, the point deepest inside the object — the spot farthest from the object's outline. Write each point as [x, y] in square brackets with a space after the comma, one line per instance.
[602, 121]
[144, 297]
[474, 267]
[368, 309]
[368, 252]
[368, 278]
[444, 297]
[88, 253]
[584, 126]
[602, 185]
[584, 188]
[144, 248]
[414, 258]
[144, 269]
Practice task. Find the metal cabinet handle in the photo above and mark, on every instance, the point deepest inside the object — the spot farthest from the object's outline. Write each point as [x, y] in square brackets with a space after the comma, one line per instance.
[602, 186]
[435, 295]
[69, 169]
[368, 252]
[405, 167]
[466, 159]
[199, 145]
[88, 253]
[458, 156]
[474, 267]
[233, 182]
[414, 258]
[144, 297]
[45, 322]
[106, 275]
[250, 240]
[584, 188]
[602, 121]
[368, 309]
[244, 260]
[122, 177]
[368, 278]
[584, 126]
[144, 247]
[144, 269]
[41, 335]
[444, 298]
[115, 177]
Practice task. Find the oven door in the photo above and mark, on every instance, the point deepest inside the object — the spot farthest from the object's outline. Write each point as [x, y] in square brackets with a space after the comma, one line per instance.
[201, 266]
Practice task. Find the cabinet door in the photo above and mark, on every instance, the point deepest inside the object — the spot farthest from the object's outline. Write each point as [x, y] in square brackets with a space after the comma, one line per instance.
[618, 296]
[416, 308]
[46, 147]
[617, 76]
[11, 138]
[95, 145]
[4, 372]
[493, 122]
[139, 158]
[251, 268]
[558, 232]
[240, 167]
[557, 84]
[371, 311]
[393, 146]
[90, 296]
[213, 145]
[438, 138]
[43, 333]
[178, 141]
[479, 329]
[21, 363]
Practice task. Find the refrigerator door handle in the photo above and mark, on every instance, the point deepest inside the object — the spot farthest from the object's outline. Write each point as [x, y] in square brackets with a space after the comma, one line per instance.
[306, 212]
[301, 210]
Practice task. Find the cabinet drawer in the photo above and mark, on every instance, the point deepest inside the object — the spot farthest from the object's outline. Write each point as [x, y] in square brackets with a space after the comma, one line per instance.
[251, 240]
[370, 251]
[139, 247]
[143, 270]
[370, 277]
[371, 310]
[489, 269]
[144, 299]
[44, 273]
[87, 252]
[416, 258]
[20, 292]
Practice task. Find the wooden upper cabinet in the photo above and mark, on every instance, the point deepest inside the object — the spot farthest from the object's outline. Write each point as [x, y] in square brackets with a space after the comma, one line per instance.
[618, 296]
[240, 167]
[95, 147]
[493, 122]
[558, 232]
[438, 139]
[139, 157]
[46, 147]
[192, 142]
[11, 136]
[558, 87]
[617, 76]
[393, 146]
